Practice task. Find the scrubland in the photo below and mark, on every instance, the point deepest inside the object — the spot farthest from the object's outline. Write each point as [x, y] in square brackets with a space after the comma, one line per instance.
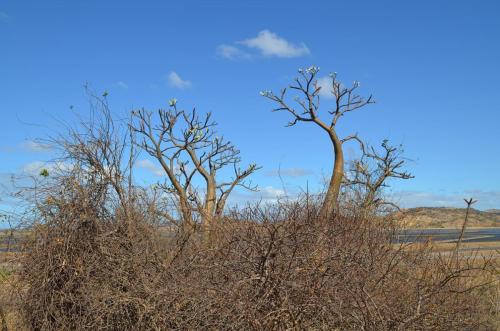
[102, 252]
[275, 266]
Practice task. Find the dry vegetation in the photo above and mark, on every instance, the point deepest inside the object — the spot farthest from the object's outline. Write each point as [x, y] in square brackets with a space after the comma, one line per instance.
[428, 217]
[90, 268]
[104, 253]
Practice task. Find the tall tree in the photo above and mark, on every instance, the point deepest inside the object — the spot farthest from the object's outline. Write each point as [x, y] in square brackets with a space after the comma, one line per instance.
[187, 147]
[306, 109]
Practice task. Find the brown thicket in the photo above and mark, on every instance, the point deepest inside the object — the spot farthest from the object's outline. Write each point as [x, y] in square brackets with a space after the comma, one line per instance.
[274, 267]
[103, 256]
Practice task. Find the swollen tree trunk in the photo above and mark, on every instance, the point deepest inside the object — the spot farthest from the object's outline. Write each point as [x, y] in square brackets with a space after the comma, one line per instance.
[306, 109]
[187, 217]
[210, 203]
[185, 208]
[332, 194]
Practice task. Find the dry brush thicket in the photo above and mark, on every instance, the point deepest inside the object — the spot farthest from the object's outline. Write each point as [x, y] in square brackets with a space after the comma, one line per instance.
[104, 253]
[275, 267]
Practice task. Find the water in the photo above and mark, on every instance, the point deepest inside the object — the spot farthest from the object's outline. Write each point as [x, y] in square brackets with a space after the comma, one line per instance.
[450, 235]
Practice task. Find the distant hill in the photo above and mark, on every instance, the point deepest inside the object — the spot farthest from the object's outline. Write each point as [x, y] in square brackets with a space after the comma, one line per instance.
[494, 211]
[445, 217]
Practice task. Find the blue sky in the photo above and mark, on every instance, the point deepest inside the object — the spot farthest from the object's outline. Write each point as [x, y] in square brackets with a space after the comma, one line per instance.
[432, 66]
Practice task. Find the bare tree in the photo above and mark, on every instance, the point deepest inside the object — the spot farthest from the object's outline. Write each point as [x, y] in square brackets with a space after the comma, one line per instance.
[98, 150]
[186, 147]
[306, 109]
[369, 175]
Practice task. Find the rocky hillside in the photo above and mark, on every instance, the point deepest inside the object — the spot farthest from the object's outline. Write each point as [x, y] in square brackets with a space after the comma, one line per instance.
[493, 211]
[444, 217]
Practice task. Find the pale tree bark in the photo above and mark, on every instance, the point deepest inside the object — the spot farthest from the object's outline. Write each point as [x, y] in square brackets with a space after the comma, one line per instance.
[306, 109]
[332, 193]
[191, 155]
[369, 175]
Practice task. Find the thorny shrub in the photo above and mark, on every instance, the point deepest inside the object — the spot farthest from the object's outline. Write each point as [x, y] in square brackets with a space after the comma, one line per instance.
[100, 256]
[99, 266]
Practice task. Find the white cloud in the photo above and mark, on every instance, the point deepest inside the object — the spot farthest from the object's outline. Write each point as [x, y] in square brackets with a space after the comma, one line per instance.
[264, 194]
[10, 197]
[326, 87]
[270, 192]
[122, 85]
[289, 172]
[409, 199]
[232, 52]
[36, 146]
[151, 167]
[6, 183]
[270, 44]
[35, 167]
[174, 80]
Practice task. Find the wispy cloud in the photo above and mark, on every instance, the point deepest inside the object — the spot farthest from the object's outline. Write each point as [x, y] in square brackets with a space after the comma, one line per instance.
[34, 168]
[326, 87]
[271, 192]
[8, 187]
[270, 44]
[267, 43]
[174, 80]
[27, 146]
[151, 167]
[409, 199]
[36, 146]
[289, 172]
[265, 194]
[122, 85]
[232, 52]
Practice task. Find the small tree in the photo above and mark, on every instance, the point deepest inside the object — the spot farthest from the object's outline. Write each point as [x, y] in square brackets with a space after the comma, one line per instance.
[369, 175]
[98, 150]
[186, 147]
[307, 110]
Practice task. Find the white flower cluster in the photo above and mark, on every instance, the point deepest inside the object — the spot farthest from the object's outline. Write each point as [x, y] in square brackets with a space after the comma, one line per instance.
[266, 93]
[356, 83]
[313, 70]
[197, 132]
